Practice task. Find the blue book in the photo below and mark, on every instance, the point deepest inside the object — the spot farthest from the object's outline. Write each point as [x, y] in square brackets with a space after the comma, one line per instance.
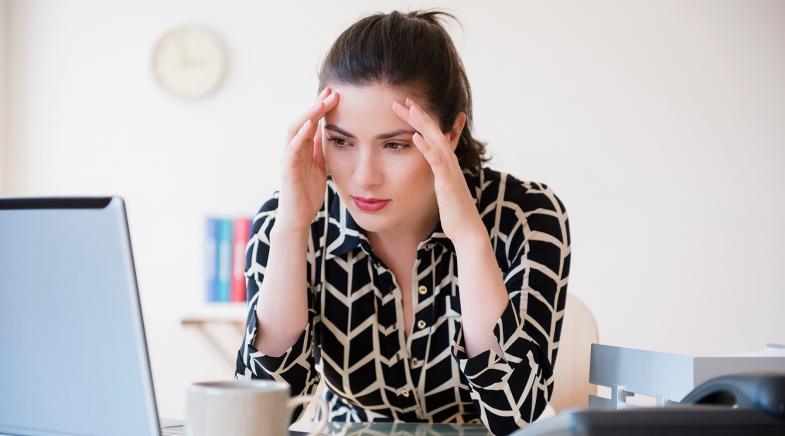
[223, 265]
[209, 259]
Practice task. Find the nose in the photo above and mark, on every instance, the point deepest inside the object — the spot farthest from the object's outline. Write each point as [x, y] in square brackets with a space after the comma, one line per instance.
[368, 170]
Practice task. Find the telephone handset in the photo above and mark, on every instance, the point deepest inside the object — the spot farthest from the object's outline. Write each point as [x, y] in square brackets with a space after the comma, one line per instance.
[760, 391]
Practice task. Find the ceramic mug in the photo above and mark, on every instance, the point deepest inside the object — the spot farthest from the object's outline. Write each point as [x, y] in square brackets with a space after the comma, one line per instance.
[244, 408]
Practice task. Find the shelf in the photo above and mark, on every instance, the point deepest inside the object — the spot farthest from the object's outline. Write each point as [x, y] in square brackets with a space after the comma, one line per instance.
[216, 313]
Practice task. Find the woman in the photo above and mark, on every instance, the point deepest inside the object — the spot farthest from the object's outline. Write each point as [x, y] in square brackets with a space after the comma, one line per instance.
[353, 266]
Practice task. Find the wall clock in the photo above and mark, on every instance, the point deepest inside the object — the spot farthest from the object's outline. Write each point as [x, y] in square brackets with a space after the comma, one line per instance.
[190, 61]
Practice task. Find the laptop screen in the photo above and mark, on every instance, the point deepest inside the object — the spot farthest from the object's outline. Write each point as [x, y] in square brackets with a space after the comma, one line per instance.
[73, 356]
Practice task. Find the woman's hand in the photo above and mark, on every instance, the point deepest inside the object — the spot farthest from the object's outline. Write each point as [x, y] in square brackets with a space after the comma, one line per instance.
[304, 177]
[457, 209]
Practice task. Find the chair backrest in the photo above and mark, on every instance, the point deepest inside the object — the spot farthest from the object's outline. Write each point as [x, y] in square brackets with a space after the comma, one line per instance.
[579, 331]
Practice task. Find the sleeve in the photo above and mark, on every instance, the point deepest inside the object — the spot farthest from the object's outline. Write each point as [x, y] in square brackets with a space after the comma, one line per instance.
[296, 365]
[512, 390]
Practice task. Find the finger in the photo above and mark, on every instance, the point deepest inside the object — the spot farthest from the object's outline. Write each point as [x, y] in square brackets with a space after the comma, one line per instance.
[401, 110]
[314, 113]
[296, 144]
[324, 93]
[403, 113]
[434, 158]
[294, 128]
[318, 153]
[407, 114]
[323, 107]
[428, 128]
[330, 102]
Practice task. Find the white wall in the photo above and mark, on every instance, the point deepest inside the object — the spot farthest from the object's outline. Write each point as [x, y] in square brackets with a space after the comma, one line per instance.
[660, 125]
[3, 96]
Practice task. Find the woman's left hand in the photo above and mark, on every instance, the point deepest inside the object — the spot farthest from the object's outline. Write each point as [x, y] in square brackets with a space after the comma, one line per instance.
[457, 208]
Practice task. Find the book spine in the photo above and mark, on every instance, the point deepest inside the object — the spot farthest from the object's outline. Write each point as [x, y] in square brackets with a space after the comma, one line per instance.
[224, 259]
[238, 260]
[210, 244]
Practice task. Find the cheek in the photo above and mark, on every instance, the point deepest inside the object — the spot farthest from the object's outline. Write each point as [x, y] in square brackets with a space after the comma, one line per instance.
[423, 172]
[340, 165]
[413, 172]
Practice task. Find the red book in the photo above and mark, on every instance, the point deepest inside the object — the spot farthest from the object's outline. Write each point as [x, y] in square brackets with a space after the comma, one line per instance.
[239, 240]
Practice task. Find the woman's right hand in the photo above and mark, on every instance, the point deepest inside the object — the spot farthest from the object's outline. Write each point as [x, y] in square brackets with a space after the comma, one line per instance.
[304, 170]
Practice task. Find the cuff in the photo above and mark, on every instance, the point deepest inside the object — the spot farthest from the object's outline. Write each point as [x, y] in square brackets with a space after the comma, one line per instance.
[488, 367]
[273, 365]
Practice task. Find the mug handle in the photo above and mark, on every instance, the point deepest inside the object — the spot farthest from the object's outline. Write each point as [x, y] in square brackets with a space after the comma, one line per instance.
[304, 400]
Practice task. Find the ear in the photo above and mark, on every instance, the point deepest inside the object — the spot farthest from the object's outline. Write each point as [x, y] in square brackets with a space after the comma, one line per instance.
[455, 132]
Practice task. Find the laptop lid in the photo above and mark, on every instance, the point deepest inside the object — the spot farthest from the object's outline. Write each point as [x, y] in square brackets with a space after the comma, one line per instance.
[73, 354]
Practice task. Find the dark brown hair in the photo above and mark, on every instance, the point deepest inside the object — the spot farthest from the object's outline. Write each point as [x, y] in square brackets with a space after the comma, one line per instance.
[409, 49]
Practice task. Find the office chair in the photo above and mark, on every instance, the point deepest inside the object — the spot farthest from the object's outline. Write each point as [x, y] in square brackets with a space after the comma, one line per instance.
[579, 331]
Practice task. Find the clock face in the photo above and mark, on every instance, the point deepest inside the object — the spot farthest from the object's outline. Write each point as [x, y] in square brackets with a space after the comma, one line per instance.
[189, 61]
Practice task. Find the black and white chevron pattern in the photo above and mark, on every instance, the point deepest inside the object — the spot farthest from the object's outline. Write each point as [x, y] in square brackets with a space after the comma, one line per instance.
[355, 338]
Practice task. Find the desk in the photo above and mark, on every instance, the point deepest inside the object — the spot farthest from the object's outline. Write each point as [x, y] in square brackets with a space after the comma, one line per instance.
[373, 429]
[397, 429]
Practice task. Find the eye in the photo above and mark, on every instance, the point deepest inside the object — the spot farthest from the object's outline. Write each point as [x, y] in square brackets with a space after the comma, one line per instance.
[338, 142]
[397, 146]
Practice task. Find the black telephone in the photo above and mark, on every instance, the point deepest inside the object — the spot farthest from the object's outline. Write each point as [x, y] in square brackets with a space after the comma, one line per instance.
[739, 404]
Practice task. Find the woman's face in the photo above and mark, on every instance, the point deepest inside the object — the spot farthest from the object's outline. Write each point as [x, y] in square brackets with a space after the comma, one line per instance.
[369, 152]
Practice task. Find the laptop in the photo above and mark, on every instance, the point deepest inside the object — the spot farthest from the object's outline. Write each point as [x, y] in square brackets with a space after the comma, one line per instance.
[73, 354]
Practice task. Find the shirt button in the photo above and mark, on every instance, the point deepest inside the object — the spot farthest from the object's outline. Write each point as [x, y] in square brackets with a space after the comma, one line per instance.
[428, 246]
[422, 290]
[420, 324]
[405, 392]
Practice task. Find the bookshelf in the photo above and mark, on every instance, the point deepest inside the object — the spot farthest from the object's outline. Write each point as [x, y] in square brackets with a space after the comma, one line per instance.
[224, 308]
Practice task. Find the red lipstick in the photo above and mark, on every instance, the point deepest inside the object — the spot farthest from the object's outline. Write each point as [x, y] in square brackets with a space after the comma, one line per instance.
[369, 204]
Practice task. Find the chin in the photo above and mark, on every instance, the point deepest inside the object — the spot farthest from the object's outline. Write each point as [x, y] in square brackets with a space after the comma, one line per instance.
[370, 222]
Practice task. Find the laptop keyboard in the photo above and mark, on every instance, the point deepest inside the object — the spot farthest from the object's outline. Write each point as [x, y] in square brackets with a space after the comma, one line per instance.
[179, 430]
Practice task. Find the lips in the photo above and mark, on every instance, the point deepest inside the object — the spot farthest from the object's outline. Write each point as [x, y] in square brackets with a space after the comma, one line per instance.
[370, 204]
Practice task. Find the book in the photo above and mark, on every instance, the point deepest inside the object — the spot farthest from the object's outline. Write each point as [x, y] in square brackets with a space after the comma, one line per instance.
[209, 259]
[239, 241]
[223, 259]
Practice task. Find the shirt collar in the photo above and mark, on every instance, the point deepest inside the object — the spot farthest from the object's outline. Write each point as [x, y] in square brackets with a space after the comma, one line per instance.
[344, 234]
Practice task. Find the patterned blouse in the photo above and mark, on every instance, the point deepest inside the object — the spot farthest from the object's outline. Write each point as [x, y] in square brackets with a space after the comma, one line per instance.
[355, 338]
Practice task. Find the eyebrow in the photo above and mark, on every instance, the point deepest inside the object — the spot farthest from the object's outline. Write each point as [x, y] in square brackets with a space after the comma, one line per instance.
[379, 136]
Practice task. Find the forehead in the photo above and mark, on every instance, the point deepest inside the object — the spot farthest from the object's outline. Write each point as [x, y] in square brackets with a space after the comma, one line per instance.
[367, 110]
